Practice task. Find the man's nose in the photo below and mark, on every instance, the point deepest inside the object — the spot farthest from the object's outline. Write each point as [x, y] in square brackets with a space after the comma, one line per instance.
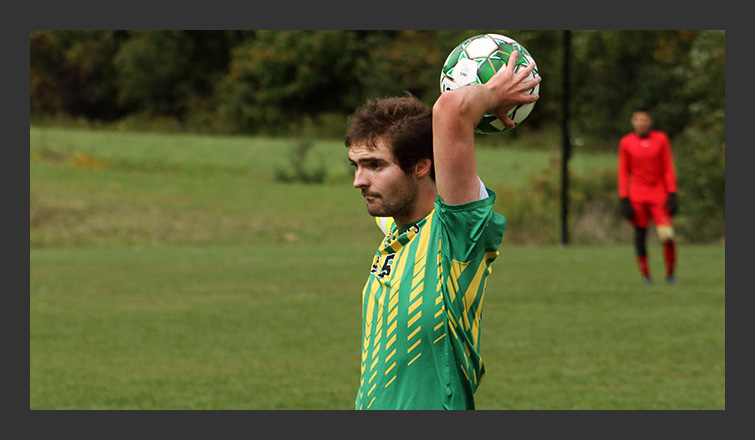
[360, 179]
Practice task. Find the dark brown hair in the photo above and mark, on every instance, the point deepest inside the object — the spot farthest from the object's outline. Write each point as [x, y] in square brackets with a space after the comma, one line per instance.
[403, 123]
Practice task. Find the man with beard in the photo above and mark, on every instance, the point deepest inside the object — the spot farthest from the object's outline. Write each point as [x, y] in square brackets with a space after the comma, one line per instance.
[422, 302]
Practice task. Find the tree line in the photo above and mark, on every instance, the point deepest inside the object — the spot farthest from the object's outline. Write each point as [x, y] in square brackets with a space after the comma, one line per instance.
[284, 82]
[233, 81]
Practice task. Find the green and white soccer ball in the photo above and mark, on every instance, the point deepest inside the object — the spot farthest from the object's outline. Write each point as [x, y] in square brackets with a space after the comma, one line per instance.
[475, 61]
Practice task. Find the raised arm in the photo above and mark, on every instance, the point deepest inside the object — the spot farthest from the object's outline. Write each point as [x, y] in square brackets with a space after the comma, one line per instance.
[455, 115]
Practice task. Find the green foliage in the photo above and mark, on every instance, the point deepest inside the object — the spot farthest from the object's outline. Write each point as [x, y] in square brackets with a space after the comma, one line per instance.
[172, 72]
[700, 152]
[616, 71]
[702, 194]
[272, 82]
[533, 210]
[151, 67]
[73, 72]
[593, 209]
[280, 77]
[300, 170]
[395, 62]
[593, 216]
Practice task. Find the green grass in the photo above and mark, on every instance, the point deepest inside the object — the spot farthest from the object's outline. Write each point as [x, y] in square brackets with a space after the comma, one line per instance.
[93, 188]
[574, 328]
[172, 272]
[194, 328]
[277, 327]
[257, 157]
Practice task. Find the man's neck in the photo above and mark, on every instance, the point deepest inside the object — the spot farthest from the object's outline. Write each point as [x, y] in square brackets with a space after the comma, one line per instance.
[424, 206]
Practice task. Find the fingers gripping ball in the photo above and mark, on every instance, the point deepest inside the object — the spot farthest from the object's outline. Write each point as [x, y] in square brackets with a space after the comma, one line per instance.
[475, 61]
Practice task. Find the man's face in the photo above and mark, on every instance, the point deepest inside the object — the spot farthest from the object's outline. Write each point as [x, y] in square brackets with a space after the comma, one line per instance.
[388, 190]
[641, 122]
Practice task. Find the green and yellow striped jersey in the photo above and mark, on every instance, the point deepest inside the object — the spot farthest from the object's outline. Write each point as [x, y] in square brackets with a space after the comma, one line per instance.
[422, 309]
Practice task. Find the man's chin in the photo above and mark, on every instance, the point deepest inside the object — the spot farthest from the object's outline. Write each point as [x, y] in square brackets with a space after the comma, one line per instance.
[377, 211]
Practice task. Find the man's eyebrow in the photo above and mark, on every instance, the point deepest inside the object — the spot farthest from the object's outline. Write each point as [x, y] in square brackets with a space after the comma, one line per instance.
[367, 160]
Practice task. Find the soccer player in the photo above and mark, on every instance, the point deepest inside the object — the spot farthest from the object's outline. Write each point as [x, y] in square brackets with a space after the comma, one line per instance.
[647, 189]
[422, 302]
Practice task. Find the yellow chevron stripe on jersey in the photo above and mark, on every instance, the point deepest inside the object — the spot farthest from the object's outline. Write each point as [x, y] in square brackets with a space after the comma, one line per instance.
[422, 305]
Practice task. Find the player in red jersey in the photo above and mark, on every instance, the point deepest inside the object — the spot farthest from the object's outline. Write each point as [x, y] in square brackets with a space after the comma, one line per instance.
[647, 189]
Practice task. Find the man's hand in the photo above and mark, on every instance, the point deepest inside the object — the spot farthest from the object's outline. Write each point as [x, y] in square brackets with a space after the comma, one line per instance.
[455, 115]
[511, 87]
[626, 208]
[672, 204]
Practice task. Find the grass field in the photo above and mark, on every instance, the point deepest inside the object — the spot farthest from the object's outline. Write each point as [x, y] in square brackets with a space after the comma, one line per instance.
[172, 272]
[277, 327]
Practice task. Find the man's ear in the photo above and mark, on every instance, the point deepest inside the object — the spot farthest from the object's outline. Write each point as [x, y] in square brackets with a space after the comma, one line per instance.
[423, 167]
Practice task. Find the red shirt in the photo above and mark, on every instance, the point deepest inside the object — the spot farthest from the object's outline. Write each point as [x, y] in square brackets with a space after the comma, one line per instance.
[646, 169]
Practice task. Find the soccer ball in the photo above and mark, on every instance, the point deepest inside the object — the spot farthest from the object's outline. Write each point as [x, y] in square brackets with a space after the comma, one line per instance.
[475, 61]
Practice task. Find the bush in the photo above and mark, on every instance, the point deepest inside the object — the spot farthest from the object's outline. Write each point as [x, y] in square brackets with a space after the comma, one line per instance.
[533, 213]
[700, 152]
[299, 170]
[701, 164]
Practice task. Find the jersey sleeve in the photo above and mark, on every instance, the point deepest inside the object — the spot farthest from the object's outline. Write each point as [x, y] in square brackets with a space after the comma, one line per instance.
[669, 175]
[470, 229]
[470, 235]
[622, 170]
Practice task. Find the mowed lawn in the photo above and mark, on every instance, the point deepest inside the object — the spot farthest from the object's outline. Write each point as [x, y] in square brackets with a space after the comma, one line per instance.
[172, 272]
[278, 327]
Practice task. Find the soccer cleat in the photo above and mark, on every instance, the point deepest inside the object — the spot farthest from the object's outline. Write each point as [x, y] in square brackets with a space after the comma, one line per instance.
[646, 279]
[671, 279]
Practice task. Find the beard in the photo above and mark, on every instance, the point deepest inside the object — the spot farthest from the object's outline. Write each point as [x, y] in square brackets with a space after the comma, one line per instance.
[397, 201]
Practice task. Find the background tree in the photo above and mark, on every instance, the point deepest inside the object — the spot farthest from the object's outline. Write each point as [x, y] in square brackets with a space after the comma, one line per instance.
[295, 82]
[72, 72]
[173, 73]
[279, 78]
[701, 148]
